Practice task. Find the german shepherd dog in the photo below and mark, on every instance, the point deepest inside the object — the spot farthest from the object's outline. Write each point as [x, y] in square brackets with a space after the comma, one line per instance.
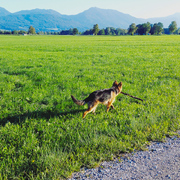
[104, 96]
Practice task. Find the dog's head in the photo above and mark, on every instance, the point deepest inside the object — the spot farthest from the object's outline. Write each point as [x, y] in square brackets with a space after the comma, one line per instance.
[118, 86]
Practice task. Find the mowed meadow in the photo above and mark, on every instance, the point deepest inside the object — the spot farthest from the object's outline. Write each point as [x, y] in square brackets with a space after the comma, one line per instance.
[42, 132]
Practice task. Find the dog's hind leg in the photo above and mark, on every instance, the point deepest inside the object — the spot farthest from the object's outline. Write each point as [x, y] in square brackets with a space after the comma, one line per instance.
[94, 109]
[91, 108]
[112, 106]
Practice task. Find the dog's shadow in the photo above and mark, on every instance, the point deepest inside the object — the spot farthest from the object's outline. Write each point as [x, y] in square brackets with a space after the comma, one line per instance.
[46, 114]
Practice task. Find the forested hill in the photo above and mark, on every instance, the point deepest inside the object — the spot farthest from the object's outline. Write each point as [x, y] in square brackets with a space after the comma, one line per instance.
[4, 12]
[49, 20]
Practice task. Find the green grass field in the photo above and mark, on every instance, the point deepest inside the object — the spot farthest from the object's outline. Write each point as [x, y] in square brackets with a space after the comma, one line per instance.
[42, 133]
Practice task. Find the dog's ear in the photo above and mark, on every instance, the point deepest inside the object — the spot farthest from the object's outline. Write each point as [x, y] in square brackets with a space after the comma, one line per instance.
[115, 83]
[120, 84]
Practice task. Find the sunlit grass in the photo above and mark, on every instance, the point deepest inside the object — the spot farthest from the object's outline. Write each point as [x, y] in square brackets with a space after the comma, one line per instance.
[42, 132]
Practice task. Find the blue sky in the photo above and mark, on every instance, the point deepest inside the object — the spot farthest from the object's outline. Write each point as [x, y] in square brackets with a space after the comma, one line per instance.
[137, 8]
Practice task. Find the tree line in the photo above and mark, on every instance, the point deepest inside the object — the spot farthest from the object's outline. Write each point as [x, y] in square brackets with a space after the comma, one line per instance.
[140, 29]
[155, 29]
[15, 32]
[32, 31]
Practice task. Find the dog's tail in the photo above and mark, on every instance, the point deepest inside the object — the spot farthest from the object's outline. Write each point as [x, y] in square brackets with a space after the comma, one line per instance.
[78, 102]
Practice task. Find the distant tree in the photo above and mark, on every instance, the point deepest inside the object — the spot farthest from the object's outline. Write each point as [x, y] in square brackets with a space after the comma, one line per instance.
[31, 30]
[132, 29]
[95, 29]
[147, 28]
[160, 24]
[144, 28]
[173, 27]
[140, 30]
[113, 30]
[157, 28]
[166, 30]
[75, 31]
[7, 32]
[15, 32]
[64, 32]
[22, 32]
[120, 31]
[108, 31]
[70, 31]
[88, 32]
[101, 32]
[41, 33]
[178, 31]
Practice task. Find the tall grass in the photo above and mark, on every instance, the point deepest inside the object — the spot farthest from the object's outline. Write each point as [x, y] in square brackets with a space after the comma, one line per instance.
[42, 133]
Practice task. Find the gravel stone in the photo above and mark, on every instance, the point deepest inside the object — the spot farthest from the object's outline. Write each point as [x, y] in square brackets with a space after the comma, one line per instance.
[161, 161]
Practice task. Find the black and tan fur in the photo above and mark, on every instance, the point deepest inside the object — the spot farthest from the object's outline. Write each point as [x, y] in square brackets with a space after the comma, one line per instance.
[104, 96]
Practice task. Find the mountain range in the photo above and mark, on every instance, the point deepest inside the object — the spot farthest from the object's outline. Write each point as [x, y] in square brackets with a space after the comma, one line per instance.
[50, 20]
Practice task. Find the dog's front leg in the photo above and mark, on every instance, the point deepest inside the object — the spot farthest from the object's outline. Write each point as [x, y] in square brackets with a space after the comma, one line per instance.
[108, 106]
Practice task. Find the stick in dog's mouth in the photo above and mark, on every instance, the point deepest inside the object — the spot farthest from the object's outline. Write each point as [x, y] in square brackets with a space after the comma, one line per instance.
[131, 96]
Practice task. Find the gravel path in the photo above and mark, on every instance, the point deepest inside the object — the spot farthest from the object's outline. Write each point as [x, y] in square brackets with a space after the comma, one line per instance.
[161, 161]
